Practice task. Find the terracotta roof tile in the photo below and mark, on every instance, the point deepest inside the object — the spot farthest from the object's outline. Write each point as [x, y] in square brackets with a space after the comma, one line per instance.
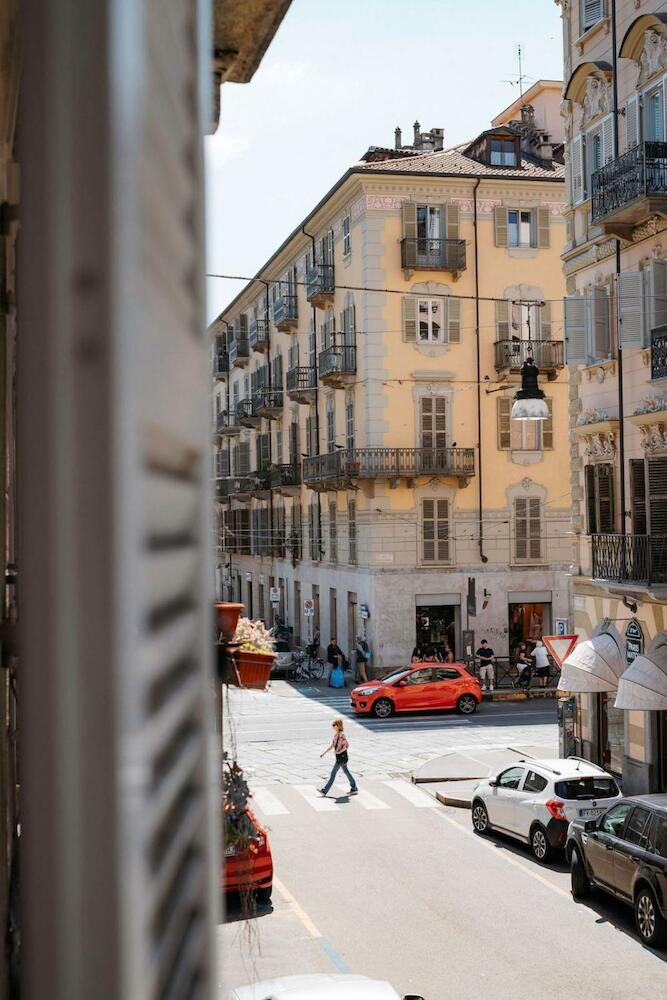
[452, 161]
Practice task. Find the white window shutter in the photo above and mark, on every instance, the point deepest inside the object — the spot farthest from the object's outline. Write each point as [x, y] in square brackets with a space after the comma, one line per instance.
[657, 295]
[600, 347]
[592, 11]
[574, 307]
[577, 168]
[631, 307]
[410, 318]
[632, 119]
[608, 139]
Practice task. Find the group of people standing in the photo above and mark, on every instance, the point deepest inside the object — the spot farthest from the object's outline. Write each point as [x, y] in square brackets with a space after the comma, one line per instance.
[338, 662]
[524, 660]
[432, 654]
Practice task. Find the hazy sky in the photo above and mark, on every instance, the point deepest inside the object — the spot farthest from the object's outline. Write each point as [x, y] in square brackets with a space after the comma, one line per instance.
[339, 76]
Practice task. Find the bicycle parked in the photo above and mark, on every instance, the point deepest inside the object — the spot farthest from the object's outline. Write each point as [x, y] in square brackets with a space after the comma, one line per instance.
[306, 666]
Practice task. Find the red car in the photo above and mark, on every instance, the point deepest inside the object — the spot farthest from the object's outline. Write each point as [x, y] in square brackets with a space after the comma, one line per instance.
[419, 687]
[249, 869]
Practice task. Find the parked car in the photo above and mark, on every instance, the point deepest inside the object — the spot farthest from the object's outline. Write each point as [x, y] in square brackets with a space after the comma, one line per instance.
[284, 660]
[249, 869]
[320, 986]
[535, 800]
[624, 852]
[419, 687]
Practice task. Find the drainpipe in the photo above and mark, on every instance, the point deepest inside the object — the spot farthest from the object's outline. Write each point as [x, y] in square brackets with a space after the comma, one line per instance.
[317, 397]
[621, 428]
[483, 557]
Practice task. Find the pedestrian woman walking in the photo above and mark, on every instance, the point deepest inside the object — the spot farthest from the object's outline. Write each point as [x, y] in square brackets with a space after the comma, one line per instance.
[339, 745]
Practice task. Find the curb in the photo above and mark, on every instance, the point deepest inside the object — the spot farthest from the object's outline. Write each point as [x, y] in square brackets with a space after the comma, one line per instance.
[451, 800]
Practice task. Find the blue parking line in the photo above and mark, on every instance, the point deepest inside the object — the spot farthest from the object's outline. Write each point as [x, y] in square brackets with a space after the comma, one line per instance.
[333, 955]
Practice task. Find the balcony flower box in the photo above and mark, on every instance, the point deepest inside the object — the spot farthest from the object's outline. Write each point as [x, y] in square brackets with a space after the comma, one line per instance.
[252, 670]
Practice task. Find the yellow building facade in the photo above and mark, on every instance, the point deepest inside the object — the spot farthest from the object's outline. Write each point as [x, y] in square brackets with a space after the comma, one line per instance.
[365, 458]
[615, 266]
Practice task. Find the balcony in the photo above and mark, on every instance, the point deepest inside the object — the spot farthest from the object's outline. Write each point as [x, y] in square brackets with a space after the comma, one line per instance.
[659, 352]
[301, 384]
[547, 354]
[247, 412]
[631, 188]
[286, 479]
[235, 488]
[258, 337]
[639, 560]
[433, 255]
[269, 402]
[320, 284]
[286, 313]
[239, 352]
[339, 468]
[220, 366]
[261, 487]
[338, 364]
[227, 424]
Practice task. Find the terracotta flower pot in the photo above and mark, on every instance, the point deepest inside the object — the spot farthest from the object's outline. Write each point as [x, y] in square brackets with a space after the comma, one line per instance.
[254, 669]
[226, 617]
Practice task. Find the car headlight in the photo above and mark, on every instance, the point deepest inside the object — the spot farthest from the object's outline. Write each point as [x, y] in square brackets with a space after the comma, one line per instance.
[365, 691]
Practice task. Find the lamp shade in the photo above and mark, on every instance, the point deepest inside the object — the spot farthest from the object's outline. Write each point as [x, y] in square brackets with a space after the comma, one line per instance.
[530, 409]
[529, 402]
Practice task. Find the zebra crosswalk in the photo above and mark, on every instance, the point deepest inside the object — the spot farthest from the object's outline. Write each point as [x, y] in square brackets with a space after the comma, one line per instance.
[283, 800]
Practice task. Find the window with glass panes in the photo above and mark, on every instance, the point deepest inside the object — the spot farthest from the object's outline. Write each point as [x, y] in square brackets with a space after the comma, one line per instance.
[527, 529]
[654, 122]
[428, 223]
[520, 228]
[429, 313]
[503, 153]
[435, 530]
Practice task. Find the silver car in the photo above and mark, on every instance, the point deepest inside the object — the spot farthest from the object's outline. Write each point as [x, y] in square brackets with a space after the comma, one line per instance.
[284, 660]
[322, 986]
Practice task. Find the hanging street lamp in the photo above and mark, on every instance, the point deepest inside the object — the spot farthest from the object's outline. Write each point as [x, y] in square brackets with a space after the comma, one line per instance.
[529, 402]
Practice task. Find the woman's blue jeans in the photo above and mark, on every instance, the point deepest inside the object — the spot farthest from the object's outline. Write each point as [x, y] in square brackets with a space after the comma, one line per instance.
[339, 766]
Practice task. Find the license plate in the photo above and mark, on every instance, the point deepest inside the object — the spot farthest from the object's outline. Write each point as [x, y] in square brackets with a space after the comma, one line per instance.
[590, 813]
[229, 851]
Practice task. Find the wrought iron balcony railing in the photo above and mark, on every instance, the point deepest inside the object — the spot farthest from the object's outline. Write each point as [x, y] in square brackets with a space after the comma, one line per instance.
[268, 402]
[247, 412]
[300, 383]
[339, 360]
[639, 173]
[258, 335]
[285, 311]
[320, 282]
[262, 483]
[639, 559]
[659, 352]
[433, 255]
[227, 423]
[236, 487]
[239, 352]
[220, 365]
[547, 354]
[285, 476]
[389, 463]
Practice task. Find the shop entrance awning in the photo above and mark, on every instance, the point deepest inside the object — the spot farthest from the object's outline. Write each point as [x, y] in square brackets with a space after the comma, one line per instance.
[643, 686]
[595, 665]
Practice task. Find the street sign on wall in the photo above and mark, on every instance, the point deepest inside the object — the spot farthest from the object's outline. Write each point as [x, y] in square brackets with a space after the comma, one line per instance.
[309, 607]
[274, 595]
[634, 640]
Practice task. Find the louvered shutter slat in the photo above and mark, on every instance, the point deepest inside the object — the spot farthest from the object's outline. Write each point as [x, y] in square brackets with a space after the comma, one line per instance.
[409, 214]
[600, 324]
[451, 214]
[453, 319]
[638, 492]
[575, 329]
[520, 528]
[543, 236]
[591, 503]
[548, 427]
[504, 432]
[630, 298]
[502, 320]
[632, 122]
[608, 139]
[657, 483]
[410, 318]
[605, 497]
[501, 226]
[577, 169]
[657, 295]
[545, 321]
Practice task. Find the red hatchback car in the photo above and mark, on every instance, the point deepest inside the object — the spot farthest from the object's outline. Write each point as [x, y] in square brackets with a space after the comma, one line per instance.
[419, 687]
[251, 869]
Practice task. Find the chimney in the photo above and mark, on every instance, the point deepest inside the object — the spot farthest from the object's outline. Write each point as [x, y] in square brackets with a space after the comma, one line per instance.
[528, 115]
[438, 139]
[417, 128]
[397, 138]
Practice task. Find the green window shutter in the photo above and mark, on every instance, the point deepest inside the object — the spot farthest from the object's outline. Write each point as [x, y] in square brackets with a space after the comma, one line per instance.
[545, 321]
[575, 308]
[657, 484]
[605, 498]
[630, 299]
[543, 227]
[502, 319]
[591, 499]
[504, 409]
[501, 226]
[450, 214]
[410, 319]
[548, 427]
[453, 306]
[638, 494]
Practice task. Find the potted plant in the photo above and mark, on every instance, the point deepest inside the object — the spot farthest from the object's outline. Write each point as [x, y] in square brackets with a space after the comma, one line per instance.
[226, 618]
[253, 658]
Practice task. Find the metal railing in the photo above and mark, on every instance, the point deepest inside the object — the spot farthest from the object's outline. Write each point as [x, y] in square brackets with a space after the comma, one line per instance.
[374, 463]
[285, 310]
[300, 379]
[268, 400]
[288, 474]
[320, 281]
[226, 422]
[659, 352]
[234, 486]
[547, 354]
[246, 410]
[433, 255]
[220, 366]
[261, 481]
[640, 172]
[638, 559]
[258, 336]
[239, 350]
[340, 359]
[506, 674]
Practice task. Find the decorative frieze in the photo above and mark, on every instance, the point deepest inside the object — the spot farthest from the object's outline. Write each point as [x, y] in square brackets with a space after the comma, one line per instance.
[651, 419]
[600, 446]
[598, 373]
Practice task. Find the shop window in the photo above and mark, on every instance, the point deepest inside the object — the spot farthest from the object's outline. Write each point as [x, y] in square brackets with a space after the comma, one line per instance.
[528, 622]
[599, 481]
[436, 628]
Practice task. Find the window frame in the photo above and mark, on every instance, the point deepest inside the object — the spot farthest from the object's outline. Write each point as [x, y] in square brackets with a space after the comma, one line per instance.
[529, 558]
[585, 25]
[443, 337]
[535, 774]
[346, 230]
[530, 222]
[508, 770]
[502, 153]
[436, 521]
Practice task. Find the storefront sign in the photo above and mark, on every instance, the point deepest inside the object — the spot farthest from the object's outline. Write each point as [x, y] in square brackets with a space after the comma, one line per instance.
[634, 640]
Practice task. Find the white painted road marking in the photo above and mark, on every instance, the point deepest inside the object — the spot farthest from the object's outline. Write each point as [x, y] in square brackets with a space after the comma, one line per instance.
[414, 795]
[369, 801]
[268, 803]
[314, 799]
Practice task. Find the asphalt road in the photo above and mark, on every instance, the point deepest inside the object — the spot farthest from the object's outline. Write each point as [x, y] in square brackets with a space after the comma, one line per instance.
[401, 889]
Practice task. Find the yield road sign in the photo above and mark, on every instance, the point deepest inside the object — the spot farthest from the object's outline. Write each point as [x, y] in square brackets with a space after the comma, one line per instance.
[560, 646]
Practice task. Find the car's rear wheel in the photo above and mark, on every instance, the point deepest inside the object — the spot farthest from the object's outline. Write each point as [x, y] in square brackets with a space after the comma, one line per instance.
[651, 925]
[539, 843]
[579, 881]
[480, 817]
[382, 708]
[466, 704]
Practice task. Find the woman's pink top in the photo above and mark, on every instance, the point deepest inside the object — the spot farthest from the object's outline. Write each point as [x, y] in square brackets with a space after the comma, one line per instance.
[340, 743]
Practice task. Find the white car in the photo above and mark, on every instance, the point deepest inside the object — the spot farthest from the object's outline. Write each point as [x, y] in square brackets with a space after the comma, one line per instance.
[535, 800]
[320, 986]
[284, 660]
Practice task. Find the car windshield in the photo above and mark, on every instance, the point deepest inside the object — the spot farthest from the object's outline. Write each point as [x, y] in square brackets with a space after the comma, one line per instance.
[587, 788]
[395, 676]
